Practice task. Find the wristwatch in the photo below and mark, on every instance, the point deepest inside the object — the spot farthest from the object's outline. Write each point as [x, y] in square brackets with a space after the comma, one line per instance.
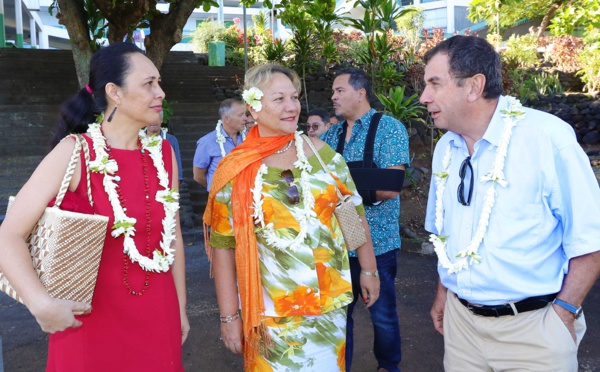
[370, 273]
[576, 311]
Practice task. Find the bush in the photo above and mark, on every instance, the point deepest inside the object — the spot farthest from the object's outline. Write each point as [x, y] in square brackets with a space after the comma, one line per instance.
[546, 83]
[589, 58]
[521, 51]
[205, 33]
[562, 51]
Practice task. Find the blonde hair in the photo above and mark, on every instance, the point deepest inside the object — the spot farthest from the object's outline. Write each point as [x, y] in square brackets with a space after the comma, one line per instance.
[260, 75]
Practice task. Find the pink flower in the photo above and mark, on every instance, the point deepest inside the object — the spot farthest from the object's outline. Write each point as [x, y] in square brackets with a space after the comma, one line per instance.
[236, 20]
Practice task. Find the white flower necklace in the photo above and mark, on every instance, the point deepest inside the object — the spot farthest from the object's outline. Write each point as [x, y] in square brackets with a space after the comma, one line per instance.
[221, 138]
[304, 215]
[467, 256]
[125, 225]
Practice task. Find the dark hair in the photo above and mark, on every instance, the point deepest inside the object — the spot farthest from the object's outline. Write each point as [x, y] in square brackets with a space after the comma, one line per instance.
[468, 56]
[358, 80]
[225, 107]
[320, 112]
[108, 65]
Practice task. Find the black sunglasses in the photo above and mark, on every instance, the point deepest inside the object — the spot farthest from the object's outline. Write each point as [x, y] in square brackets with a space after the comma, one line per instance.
[292, 192]
[462, 172]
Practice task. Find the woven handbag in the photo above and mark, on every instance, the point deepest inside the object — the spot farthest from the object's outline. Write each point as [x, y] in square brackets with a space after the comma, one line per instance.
[66, 246]
[345, 212]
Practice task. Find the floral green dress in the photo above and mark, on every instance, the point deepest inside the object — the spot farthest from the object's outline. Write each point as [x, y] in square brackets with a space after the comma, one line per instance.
[306, 290]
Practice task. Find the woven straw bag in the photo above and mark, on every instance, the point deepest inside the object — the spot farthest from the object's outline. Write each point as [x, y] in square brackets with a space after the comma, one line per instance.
[66, 246]
[345, 212]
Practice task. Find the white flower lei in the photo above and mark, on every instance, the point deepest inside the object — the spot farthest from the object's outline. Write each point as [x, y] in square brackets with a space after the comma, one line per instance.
[304, 216]
[125, 225]
[466, 257]
[221, 138]
[252, 97]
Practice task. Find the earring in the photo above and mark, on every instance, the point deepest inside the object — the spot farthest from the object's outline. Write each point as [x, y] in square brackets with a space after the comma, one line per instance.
[110, 117]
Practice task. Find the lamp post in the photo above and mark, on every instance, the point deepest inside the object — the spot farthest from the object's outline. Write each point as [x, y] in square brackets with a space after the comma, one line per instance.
[2, 31]
[19, 20]
[245, 41]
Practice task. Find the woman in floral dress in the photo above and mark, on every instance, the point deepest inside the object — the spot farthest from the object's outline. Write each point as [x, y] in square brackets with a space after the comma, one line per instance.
[275, 241]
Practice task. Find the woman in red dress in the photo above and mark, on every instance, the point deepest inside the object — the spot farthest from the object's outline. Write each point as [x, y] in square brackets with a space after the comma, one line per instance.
[137, 319]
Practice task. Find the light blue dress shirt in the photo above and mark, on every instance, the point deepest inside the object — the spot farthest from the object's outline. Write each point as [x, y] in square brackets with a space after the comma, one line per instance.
[548, 213]
[390, 149]
[208, 153]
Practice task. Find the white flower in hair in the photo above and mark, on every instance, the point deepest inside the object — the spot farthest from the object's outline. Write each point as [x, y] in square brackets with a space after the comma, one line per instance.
[252, 97]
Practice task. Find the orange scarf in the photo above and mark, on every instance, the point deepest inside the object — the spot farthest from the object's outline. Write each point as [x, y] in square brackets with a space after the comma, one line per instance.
[241, 165]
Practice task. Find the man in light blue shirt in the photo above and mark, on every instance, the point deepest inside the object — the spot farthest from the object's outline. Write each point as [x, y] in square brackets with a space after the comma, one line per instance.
[514, 212]
[211, 148]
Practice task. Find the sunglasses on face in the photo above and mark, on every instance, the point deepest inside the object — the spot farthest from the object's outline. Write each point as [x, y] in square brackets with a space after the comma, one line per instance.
[292, 192]
[462, 172]
[313, 126]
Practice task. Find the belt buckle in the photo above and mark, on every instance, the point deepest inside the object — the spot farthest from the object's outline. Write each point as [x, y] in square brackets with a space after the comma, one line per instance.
[480, 310]
[474, 309]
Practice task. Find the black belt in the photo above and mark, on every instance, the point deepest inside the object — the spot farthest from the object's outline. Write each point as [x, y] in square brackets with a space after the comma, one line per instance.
[528, 304]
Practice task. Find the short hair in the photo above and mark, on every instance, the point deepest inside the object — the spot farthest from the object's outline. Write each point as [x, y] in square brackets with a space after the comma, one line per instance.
[358, 80]
[260, 75]
[320, 112]
[226, 105]
[468, 56]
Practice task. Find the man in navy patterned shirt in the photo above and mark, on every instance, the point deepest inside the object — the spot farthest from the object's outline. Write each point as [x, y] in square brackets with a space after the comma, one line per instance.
[351, 94]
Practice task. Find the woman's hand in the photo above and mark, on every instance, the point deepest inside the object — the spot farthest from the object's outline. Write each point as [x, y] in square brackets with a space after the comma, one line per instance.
[54, 315]
[232, 335]
[185, 326]
[369, 287]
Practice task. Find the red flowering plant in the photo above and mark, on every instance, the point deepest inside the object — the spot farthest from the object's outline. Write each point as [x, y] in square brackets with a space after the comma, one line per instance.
[256, 37]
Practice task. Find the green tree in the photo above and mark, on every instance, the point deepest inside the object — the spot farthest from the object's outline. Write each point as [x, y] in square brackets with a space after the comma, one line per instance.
[506, 13]
[84, 18]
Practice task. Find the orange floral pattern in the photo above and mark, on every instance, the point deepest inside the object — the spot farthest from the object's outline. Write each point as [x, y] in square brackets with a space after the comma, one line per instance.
[303, 300]
[325, 203]
[280, 216]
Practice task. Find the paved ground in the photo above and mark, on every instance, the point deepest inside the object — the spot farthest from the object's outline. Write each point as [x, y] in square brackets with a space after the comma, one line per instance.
[25, 345]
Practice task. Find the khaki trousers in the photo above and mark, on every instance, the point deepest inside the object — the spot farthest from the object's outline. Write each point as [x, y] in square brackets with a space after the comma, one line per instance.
[532, 341]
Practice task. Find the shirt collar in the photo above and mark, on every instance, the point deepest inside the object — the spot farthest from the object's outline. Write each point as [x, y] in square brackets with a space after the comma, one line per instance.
[494, 130]
[492, 133]
[365, 120]
[224, 132]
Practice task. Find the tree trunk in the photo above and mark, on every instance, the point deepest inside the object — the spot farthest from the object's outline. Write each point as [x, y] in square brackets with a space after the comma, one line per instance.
[167, 30]
[72, 15]
[548, 17]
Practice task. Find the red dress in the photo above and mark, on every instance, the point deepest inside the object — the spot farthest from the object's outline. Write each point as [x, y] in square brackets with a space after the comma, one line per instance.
[124, 332]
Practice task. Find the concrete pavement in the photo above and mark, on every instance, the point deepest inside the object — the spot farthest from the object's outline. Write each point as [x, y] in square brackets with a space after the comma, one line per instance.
[24, 344]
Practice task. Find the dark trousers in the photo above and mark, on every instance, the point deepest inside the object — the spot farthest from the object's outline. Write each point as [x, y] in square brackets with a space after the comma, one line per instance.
[384, 315]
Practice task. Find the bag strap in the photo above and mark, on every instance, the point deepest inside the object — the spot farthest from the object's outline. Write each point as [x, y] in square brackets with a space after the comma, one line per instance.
[80, 143]
[314, 150]
[86, 158]
[369, 141]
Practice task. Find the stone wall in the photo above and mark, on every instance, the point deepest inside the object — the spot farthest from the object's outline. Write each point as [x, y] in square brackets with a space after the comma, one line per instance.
[581, 111]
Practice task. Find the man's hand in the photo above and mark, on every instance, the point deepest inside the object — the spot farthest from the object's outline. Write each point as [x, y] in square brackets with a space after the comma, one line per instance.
[437, 310]
[567, 318]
